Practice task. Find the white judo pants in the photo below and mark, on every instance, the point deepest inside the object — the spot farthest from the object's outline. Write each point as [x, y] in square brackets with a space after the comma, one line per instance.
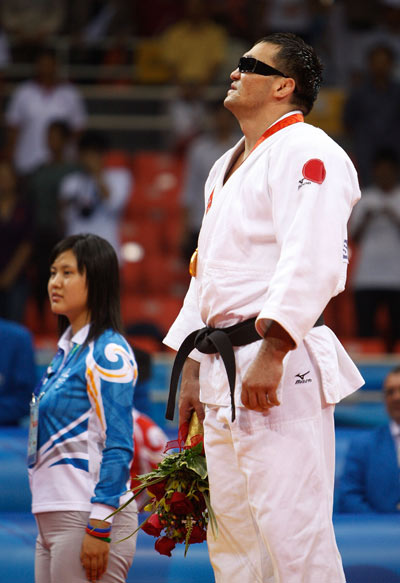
[271, 479]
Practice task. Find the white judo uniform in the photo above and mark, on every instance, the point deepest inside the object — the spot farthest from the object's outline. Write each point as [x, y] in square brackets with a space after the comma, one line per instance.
[273, 244]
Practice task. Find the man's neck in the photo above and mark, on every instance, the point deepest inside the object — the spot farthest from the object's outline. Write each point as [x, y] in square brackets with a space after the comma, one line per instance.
[254, 127]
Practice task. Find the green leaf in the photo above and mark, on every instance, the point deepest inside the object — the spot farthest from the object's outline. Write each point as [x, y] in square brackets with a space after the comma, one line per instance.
[211, 515]
[198, 465]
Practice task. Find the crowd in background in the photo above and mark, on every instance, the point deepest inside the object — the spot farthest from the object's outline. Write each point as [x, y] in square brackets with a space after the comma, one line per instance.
[53, 177]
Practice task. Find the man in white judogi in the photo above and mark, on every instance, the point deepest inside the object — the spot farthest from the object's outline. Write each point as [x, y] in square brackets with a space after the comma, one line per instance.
[273, 247]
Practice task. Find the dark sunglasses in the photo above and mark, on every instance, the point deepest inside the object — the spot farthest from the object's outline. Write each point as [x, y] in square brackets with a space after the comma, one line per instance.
[251, 65]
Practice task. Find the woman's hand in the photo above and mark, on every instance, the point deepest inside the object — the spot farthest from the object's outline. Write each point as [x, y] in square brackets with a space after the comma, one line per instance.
[94, 553]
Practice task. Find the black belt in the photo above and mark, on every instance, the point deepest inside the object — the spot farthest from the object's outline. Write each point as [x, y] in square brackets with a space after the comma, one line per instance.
[212, 341]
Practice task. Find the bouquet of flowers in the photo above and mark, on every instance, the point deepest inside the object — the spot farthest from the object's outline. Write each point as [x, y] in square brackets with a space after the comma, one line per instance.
[179, 507]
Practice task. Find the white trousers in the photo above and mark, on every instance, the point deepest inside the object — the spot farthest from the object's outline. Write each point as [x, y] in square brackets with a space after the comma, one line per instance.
[271, 479]
[58, 546]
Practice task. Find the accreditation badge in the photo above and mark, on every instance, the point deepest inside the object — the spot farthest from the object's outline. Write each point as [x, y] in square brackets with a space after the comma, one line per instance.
[33, 430]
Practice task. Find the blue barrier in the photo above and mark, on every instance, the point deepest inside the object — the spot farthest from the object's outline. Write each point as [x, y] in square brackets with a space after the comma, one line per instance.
[17, 547]
[14, 487]
[355, 414]
[15, 494]
[369, 545]
[374, 374]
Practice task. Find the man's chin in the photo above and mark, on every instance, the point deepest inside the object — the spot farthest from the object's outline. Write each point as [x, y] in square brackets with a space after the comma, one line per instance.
[228, 101]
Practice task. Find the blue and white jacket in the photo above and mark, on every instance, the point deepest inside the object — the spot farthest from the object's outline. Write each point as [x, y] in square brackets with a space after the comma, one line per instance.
[85, 437]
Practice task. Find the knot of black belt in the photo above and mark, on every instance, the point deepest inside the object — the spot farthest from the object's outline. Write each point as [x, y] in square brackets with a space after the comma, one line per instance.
[212, 341]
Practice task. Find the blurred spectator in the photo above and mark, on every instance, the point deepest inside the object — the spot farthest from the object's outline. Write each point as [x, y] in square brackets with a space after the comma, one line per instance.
[100, 31]
[93, 21]
[371, 478]
[375, 228]
[195, 47]
[372, 112]
[203, 152]
[150, 441]
[372, 23]
[240, 17]
[144, 361]
[188, 113]
[33, 105]
[31, 23]
[17, 372]
[292, 15]
[5, 55]
[167, 11]
[15, 246]
[93, 198]
[43, 187]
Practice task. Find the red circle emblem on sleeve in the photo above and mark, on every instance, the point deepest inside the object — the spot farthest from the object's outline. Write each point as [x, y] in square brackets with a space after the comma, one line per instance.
[314, 170]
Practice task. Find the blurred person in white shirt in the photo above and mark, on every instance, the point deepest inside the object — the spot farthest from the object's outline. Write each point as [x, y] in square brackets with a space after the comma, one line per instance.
[94, 197]
[33, 105]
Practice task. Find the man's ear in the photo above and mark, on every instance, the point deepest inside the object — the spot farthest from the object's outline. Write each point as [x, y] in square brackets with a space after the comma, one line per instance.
[285, 87]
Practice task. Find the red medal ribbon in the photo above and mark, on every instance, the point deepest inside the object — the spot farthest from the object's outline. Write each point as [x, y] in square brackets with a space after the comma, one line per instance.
[279, 125]
[276, 127]
[210, 199]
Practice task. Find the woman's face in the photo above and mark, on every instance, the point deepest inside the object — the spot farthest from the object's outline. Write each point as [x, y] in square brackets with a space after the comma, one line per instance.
[68, 291]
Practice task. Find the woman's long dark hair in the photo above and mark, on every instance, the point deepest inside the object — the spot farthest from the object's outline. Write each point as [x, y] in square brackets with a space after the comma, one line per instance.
[97, 259]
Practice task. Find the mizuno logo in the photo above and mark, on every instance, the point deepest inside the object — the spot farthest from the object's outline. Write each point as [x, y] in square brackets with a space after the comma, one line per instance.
[302, 182]
[301, 378]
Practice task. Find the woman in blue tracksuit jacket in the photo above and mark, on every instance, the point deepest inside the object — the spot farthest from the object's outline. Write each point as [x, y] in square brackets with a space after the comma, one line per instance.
[81, 444]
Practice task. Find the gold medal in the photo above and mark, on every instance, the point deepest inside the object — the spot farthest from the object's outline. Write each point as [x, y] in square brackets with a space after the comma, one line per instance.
[193, 264]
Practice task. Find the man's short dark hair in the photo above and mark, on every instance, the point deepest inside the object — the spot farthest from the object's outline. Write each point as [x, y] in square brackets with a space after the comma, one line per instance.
[93, 140]
[381, 48]
[387, 155]
[61, 126]
[299, 61]
[394, 370]
[46, 51]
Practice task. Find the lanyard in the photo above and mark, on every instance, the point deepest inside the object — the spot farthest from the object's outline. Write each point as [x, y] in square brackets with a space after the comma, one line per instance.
[50, 371]
[34, 405]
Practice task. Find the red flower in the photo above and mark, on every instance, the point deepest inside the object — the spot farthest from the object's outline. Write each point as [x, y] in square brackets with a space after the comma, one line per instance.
[164, 546]
[158, 489]
[201, 503]
[153, 526]
[198, 535]
[180, 504]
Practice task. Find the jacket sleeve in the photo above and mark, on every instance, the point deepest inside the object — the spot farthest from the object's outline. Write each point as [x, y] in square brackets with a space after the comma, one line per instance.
[312, 191]
[352, 491]
[111, 375]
